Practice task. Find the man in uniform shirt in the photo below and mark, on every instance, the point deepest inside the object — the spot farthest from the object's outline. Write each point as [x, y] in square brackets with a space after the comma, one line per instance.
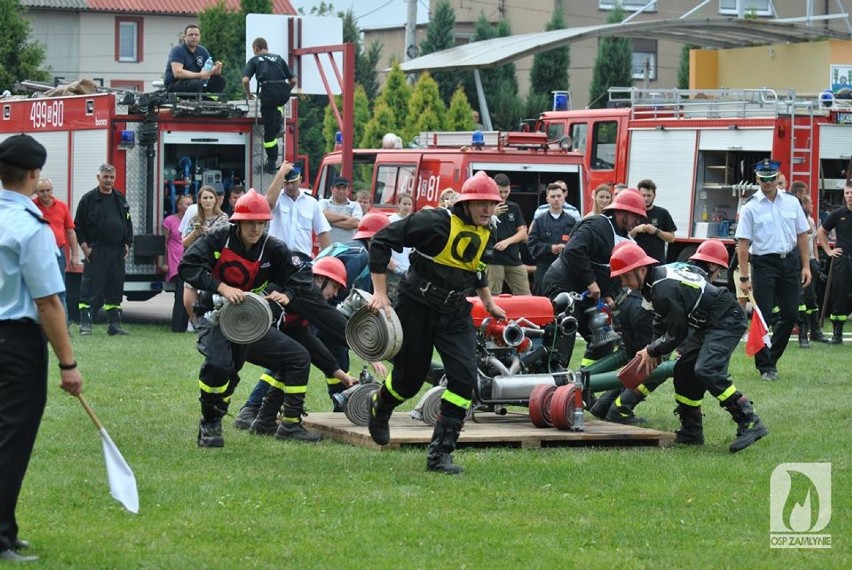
[296, 215]
[773, 229]
[185, 70]
[105, 232]
[274, 83]
[549, 234]
[839, 220]
[343, 214]
[658, 228]
[58, 215]
[30, 311]
[505, 264]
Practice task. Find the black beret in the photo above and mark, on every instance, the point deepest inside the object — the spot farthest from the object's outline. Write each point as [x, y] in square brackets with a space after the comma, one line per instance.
[23, 151]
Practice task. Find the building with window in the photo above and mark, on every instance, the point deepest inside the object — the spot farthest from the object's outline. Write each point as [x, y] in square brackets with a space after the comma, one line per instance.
[117, 43]
[654, 61]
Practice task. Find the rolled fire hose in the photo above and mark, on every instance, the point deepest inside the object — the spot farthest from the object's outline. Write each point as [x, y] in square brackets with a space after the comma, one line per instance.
[373, 336]
[356, 408]
[246, 322]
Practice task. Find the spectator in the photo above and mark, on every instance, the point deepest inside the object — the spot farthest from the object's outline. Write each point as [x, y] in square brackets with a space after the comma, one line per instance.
[343, 214]
[617, 189]
[296, 215]
[274, 83]
[840, 220]
[447, 198]
[185, 71]
[569, 208]
[174, 253]
[399, 259]
[808, 307]
[798, 189]
[549, 234]
[602, 197]
[209, 216]
[236, 191]
[363, 198]
[505, 264]
[58, 215]
[104, 232]
[658, 228]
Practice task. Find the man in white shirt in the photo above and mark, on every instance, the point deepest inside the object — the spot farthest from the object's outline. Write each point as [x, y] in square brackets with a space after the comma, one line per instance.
[296, 215]
[343, 214]
[773, 229]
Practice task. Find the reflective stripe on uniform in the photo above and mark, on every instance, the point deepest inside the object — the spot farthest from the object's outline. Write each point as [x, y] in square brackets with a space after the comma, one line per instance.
[293, 389]
[273, 382]
[686, 401]
[332, 381]
[391, 391]
[643, 390]
[111, 307]
[727, 393]
[456, 400]
[212, 389]
[270, 144]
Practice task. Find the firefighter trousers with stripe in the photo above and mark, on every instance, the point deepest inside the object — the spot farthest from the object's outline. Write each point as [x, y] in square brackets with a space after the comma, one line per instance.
[705, 355]
[223, 359]
[452, 335]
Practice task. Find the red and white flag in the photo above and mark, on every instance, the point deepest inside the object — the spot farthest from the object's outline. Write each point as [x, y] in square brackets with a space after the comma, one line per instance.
[758, 333]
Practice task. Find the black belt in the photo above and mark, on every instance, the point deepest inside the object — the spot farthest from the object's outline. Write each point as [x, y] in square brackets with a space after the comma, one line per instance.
[429, 290]
[790, 253]
[17, 323]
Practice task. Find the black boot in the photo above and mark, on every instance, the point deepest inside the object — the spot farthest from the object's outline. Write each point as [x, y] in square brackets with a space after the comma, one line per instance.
[749, 427]
[602, 405]
[815, 328]
[291, 421]
[444, 438]
[621, 411]
[380, 413]
[803, 330]
[266, 422]
[246, 416]
[210, 426]
[691, 430]
[114, 316]
[85, 321]
[837, 337]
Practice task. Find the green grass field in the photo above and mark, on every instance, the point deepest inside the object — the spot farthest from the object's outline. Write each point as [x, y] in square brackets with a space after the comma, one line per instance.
[261, 503]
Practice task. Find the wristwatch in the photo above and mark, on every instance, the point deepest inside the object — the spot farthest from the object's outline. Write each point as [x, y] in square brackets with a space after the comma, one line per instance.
[657, 232]
[745, 278]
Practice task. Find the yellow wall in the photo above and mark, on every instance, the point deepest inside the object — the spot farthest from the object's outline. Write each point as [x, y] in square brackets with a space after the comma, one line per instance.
[803, 67]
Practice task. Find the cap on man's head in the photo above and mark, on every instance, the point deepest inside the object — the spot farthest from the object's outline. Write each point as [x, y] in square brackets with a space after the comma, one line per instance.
[23, 151]
[220, 190]
[340, 181]
[294, 175]
[767, 169]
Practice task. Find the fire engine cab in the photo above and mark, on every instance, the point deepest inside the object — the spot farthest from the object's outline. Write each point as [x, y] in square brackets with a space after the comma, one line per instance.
[446, 159]
[161, 147]
[699, 147]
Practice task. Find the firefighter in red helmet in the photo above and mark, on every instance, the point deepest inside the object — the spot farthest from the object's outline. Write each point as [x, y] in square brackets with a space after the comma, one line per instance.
[705, 324]
[229, 262]
[446, 268]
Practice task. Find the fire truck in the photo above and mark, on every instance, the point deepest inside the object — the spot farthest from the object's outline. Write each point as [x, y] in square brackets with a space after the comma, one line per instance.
[161, 147]
[699, 147]
[443, 160]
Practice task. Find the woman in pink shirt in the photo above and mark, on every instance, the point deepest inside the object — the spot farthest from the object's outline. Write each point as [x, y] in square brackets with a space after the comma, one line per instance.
[174, 253]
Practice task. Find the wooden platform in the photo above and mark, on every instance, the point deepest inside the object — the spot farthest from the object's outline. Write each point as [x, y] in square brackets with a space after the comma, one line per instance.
[491, 430]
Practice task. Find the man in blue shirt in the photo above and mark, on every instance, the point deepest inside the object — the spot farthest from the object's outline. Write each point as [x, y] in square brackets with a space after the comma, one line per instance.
[30, 310]
[185, 70]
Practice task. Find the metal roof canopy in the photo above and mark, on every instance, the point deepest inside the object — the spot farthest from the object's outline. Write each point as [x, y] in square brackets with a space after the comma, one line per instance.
[709, 32]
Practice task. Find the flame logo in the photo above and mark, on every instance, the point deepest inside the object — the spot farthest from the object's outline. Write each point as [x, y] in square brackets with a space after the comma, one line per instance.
[800, 515]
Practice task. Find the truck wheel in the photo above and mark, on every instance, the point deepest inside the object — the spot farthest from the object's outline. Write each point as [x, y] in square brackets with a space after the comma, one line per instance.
[540, 400]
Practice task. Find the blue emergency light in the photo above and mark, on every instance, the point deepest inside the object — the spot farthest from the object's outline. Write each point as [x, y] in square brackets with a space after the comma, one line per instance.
[338, 138]
[127, 139]
[477, 140]
[561, 101]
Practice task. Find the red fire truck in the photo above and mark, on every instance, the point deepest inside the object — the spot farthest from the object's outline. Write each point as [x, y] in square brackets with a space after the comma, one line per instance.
[161, 147]
[446, 159]
[699, 147]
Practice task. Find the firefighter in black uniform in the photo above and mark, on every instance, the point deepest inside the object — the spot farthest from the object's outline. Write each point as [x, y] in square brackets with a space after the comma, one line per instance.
[583, 264]
[231, 261]
[274, 81]
[710, 321]
[104, 232]
[839, 220]
[432, 307]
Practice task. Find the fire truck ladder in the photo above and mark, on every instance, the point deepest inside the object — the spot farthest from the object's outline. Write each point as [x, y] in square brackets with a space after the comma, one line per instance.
[801, 140]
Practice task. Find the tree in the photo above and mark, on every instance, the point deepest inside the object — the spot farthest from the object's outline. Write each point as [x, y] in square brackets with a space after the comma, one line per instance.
[365, 60]
[460, 113]
[22, 59]
[613, 64]
[683, 68]
[223, 33]
[440, 36]
[549, 70]
[361, 114]
[311, 140]
[426, 106]
[396, 94]
[381, 123]
[255, 7]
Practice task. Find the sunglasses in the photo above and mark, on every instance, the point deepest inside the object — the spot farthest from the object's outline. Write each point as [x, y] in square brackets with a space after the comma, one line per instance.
[767, 178]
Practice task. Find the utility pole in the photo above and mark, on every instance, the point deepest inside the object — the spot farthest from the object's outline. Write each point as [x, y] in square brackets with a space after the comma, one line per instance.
[411, 31]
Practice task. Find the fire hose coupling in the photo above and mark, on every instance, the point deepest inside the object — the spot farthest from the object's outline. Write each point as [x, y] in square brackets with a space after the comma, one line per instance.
[507, 333]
